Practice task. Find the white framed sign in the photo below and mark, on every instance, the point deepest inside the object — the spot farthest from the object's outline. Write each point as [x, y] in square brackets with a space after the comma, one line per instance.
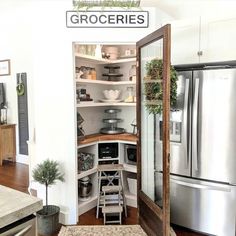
[5, 68]
[107, 19]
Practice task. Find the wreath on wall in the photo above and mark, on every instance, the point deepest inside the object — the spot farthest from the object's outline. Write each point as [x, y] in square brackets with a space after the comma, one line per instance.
[153, 89]
[20, 89]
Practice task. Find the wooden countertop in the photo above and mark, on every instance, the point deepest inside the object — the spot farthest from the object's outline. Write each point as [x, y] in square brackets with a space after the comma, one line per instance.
[108, 137]
[15, 205]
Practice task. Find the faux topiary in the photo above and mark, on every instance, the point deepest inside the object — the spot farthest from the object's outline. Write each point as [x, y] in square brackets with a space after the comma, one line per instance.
[153, 89]
[47, 173]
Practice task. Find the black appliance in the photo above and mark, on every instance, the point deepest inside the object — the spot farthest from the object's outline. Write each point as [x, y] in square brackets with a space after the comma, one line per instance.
[130, 154]
[108, 150]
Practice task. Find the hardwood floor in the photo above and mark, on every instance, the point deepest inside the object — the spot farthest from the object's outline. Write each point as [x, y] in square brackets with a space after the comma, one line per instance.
[89, 218]
[16, 176]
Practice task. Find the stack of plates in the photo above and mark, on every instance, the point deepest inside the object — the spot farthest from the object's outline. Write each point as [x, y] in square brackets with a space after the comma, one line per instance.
[111, 101]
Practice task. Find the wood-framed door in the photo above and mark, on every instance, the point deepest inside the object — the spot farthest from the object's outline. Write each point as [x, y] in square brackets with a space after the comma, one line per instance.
[153, 186]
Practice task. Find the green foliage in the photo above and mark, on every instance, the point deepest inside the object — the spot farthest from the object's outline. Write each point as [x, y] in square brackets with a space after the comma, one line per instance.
[79, 4]
[153, 90]
[47, 173]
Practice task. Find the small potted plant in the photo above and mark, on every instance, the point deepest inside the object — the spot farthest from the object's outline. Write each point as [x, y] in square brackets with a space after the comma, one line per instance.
[47, 173]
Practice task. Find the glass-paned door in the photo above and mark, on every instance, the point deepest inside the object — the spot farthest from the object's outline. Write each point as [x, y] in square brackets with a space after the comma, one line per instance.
[153, 126]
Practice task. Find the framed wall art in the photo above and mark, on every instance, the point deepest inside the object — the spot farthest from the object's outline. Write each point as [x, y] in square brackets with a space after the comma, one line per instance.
[5, 67]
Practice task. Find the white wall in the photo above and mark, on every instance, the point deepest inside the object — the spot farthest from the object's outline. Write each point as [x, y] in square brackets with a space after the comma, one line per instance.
[42, 46]
[15, 44]
[54, 90]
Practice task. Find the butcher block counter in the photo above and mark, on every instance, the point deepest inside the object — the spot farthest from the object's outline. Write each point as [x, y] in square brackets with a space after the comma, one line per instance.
[108, 137]
[15, 205]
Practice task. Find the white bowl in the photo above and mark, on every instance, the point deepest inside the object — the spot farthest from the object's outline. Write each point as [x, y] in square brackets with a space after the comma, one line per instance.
[111, 94]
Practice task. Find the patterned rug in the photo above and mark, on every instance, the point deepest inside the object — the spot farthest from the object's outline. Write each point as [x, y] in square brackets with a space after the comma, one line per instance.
[101, 230]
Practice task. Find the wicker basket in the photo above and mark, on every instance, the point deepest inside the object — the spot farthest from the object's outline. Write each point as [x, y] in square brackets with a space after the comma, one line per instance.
[85, 161]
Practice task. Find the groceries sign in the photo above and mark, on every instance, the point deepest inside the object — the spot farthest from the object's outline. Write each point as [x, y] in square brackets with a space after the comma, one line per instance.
[107, 19]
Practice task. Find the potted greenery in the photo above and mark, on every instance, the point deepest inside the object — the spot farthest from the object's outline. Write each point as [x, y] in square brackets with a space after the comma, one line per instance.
[153, 89]
[47, 173]
[126, 4]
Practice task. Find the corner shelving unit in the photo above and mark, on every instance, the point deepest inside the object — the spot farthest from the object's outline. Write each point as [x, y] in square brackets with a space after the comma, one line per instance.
[103, 61]
[104, 82]
[86, 173]
[95, 89]
[106, 104]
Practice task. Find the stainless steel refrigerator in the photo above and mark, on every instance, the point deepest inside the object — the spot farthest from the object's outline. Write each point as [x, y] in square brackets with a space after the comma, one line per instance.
[203, 151]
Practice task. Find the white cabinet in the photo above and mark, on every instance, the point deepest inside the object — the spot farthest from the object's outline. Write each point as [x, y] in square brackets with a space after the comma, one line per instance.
[203, 40]
[129, 173]
[185, 43]
[220, 40]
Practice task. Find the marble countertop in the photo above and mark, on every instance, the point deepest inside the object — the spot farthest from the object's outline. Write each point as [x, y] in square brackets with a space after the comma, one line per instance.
[15, 205]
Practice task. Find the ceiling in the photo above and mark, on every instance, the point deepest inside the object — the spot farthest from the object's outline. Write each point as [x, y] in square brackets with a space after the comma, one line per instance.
[179, 9]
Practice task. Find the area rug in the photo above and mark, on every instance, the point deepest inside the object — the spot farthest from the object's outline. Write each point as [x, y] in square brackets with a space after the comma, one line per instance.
[101, 230]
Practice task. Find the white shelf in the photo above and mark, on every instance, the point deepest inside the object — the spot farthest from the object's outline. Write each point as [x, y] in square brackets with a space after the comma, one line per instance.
[130, 168]
[82, 203]
[104, 61]
[85, 206]
[86, 145]
[105, 104]
[104, 82]
[131, 199]
[130, 196]
[108, 159]
[86, 173]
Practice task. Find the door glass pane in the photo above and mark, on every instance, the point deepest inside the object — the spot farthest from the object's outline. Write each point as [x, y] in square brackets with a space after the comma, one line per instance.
[151, 57]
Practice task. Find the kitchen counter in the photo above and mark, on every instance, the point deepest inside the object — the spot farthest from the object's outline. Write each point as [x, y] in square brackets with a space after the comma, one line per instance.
[15, 205]
[108, 137]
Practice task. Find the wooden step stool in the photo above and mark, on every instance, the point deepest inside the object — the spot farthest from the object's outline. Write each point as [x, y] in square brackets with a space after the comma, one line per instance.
[114, 206]
[109, 209]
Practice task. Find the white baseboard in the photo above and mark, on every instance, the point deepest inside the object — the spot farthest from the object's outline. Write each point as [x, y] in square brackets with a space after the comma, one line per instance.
[64, 218]
[23, 159]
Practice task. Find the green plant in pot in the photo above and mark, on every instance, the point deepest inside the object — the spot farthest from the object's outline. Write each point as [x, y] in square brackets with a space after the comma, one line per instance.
[47, 173]
[153, 89]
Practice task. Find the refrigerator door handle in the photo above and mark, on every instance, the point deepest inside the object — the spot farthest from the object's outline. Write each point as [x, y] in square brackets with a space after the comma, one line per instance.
[195, 125]
[185, 122]
[201, 186]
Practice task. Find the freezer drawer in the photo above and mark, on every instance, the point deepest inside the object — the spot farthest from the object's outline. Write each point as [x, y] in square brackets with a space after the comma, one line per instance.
[203, 206]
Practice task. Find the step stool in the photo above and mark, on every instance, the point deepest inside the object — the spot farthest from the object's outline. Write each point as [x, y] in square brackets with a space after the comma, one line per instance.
[109, 209]
[111, 189]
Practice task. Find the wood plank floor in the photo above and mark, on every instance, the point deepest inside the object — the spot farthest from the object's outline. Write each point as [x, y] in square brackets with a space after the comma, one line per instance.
[16, 176]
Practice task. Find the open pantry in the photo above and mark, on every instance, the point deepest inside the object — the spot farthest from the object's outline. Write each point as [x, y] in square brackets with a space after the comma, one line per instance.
[105, 87]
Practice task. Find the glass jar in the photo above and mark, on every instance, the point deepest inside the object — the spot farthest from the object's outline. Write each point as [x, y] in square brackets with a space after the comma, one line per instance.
[82, 49]
[89, 73]
[130, 94]
[91, 50]
[93, 74]
[132, 73]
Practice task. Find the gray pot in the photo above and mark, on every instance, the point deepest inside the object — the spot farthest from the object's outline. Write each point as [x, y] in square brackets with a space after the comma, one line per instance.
[48, 220]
